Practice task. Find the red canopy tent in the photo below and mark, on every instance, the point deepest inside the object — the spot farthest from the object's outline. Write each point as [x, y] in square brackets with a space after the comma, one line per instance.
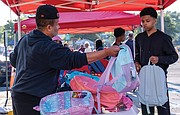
[87, 22]
[29, 6]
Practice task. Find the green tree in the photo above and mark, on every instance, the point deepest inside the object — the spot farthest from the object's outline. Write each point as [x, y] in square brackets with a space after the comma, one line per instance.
[90, 36]
[107, 38]
[1, 34]
[171, 24]
[10, 28]
[176, 18]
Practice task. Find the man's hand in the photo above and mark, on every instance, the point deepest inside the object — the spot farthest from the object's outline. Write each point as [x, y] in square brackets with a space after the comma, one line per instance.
[112, 51]
[94, 56]
[154, 59]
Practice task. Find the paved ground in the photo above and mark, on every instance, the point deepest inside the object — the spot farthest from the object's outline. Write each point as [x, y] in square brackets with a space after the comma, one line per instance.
[174, 88]
[173, 84]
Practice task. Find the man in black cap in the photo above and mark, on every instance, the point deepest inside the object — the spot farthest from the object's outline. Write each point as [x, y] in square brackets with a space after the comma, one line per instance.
[119, 33]
[37, 60]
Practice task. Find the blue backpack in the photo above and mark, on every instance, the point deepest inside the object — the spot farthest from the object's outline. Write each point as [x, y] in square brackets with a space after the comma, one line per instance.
[97, 67]
[152, 90]
[123, 71]
[69, 76]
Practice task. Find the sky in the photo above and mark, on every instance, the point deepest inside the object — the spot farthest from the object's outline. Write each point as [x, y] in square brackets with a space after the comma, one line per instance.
[6, 14]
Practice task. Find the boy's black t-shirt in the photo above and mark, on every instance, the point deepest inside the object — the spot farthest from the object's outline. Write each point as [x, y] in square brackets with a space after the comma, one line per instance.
[158, 44]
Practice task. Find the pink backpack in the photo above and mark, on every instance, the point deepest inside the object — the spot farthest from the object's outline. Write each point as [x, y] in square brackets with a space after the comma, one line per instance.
[123, 71]
[109, 96]
[110, 92]
[67, 103]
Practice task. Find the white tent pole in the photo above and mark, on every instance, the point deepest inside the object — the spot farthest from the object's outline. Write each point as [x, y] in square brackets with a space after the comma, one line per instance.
[162, 20]
[14, 39]
[19, 28]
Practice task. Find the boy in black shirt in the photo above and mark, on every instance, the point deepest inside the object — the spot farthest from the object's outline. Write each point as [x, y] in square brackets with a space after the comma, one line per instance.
[156, 46]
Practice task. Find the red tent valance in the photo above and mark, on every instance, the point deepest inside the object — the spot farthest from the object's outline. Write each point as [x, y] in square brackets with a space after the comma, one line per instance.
[87, 22]
[29, 6]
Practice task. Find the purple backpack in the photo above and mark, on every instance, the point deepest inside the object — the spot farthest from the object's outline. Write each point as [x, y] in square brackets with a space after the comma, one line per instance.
[67, 103]
[123, 71]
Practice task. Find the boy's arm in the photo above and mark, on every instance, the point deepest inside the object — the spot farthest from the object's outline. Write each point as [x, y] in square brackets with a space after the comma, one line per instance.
[170, 56]
[137, 55]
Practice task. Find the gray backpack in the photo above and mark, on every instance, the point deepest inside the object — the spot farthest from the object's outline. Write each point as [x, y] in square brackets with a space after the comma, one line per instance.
[152, 90]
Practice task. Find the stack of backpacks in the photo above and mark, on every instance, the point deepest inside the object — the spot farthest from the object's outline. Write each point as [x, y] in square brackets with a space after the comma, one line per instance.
[106, 81]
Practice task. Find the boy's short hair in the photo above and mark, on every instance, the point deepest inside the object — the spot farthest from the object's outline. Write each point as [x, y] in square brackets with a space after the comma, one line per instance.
[148, 11]
[119, 32]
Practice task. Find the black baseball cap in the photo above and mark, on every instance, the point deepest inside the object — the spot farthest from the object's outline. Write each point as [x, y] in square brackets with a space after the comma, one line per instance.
[47, 12]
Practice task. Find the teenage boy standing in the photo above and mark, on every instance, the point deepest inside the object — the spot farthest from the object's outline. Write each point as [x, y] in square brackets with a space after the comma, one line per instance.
[156, 46]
